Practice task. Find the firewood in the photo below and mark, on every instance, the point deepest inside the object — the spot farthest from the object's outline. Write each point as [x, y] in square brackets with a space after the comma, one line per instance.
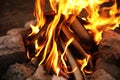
[64, 74]
[75, 42]
[84, 36]
[77, 73]
[40, 36]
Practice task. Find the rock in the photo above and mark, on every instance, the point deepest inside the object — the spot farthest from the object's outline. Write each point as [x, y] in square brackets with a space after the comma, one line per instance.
[27, 24]
[40, 74]
[100, 74]
[7, 60]
[110, 68]
[109, 46]
[16, 31]
[12, 50]
[10, 44]
[19, 72]
[58, 78]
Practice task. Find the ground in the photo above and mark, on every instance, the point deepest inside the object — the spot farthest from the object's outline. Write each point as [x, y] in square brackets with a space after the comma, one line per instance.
[15, 13]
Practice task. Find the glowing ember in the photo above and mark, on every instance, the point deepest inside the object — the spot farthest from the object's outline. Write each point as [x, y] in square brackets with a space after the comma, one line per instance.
[48, 48]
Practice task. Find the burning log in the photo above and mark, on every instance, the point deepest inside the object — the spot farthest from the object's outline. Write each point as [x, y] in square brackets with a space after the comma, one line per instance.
[77, 73]
[69, 35]
[75, 42]
[39, 36]
[45, 43]
[84, 36]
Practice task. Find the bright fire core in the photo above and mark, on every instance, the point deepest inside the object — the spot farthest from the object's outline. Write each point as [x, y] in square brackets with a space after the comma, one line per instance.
[100, 18]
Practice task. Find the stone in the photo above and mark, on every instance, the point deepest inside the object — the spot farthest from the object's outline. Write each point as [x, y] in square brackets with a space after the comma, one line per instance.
[12, 50]
[110, 68]
[19, 72]
[40, 74]
[100, 74]
[58, 78]
[109, 46]
[9, 59]
[16, 31]
[10, 44]
[31, 22]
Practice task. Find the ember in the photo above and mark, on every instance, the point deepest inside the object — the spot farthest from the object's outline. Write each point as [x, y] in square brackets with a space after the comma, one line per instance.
[60, 26]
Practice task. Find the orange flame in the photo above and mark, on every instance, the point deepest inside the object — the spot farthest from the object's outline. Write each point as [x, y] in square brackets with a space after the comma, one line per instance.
[68, 43]
[101, 21]
[39, 13]
[98, 19]
[52, 60]
[84, 62]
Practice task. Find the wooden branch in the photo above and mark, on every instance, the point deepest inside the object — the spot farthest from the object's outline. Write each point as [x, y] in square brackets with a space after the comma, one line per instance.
[84, 36]
[75, 42]
[77, 73]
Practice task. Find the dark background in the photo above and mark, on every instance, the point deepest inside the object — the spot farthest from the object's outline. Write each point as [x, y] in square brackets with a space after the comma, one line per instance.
[15, 13]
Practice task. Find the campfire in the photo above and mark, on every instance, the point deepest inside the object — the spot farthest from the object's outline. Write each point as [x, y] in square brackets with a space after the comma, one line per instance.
[68, 37]
[64, 41]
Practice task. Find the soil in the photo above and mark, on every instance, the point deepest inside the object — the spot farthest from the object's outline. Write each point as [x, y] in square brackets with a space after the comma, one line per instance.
[15, 13]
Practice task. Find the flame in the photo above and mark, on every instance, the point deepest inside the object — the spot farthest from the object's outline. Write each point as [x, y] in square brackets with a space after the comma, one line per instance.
[39, 13]
[35, 30]
[84, 62]
[101, 21]
[52, 60]
[98, 19]
[68, 43]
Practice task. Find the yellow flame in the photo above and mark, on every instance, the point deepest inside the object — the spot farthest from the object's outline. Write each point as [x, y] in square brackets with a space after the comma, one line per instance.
[39, 13]
[84, 62]
[98, 19]
[102, 21]
[62, 56]
[88, 72]
[38, 48]
[73, 70]
[35, 30]
[52, 60]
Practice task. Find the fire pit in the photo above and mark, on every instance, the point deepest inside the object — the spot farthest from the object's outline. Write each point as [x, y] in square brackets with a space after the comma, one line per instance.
[68, 40]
